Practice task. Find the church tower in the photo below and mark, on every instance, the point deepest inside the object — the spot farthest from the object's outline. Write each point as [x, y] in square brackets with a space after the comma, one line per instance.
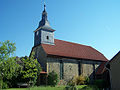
[44, 34]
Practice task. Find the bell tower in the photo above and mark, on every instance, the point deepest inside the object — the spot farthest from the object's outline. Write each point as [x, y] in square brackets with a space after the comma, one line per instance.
[44, 34]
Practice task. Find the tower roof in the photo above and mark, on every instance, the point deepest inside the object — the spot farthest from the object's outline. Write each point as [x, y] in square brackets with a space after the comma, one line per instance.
[44, 23]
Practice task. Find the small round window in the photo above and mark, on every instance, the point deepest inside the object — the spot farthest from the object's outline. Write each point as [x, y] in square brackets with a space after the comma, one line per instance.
[47, 37]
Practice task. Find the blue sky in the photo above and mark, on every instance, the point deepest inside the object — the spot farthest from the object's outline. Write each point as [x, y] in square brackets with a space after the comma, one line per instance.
[94, 23]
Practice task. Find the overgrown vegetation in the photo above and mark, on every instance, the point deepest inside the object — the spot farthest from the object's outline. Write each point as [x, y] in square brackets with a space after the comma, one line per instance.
[8, 65]
[78, 80]
[14, 70]
[79, 87]
[52, 78]
[100, 83]
[31, 69]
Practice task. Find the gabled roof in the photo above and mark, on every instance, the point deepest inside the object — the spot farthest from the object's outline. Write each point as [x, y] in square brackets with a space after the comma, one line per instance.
[117, 55]
[73, 50]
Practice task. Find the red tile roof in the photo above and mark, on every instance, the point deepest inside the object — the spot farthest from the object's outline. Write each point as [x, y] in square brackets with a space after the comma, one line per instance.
[73, 50]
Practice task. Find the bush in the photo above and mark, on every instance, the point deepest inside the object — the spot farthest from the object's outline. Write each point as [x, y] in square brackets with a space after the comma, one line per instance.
[100, 83]
[78, 80]
[71, 83]
[52, 79]
[5, 85]
[87, 80]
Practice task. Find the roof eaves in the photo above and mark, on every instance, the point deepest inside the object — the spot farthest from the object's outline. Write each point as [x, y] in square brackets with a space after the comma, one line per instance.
[75, 58]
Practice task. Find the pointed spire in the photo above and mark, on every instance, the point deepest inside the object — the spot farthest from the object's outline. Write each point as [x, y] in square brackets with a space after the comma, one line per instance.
[44, 7]
[44, 22]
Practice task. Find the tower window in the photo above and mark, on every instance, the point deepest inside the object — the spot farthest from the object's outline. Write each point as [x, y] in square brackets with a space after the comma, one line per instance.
[47, 37]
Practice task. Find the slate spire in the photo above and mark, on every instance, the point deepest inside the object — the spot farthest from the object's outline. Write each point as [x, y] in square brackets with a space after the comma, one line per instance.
[44, 22]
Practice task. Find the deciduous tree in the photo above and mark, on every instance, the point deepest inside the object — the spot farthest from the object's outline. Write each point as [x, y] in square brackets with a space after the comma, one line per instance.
[8, 65]
[31, 69]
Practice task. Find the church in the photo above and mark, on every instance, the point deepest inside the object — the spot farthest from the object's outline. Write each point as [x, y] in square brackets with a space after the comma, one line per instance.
[67, 59]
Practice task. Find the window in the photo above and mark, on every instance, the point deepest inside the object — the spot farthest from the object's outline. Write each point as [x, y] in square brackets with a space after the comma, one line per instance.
[61, 70]
[47, 37]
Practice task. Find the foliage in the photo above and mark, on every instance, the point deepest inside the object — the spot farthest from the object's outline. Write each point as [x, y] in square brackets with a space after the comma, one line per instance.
[7, 49]
[77, 80]
[10, 68]
[5, 85]
[78, 87]
[100, 83]
[73, 81]
[80, 80]
[11, 72]
[52, 79]
[87, 87]
[31, 69]
[87, 80]
[8, 65]
[40, 88]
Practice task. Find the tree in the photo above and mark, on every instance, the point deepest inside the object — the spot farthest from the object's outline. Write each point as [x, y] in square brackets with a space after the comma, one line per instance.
[8, 65]
[31, 69]
[7, 49]
[10, 69]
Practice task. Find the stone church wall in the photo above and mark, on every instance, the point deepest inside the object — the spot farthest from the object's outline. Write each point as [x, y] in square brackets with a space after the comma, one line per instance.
[71, 67]
[53, 64]
[89, 66]
[41, 56]
[70, 70]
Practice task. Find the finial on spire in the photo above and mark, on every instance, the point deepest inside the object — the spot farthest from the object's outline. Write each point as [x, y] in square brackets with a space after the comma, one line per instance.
[44, 6]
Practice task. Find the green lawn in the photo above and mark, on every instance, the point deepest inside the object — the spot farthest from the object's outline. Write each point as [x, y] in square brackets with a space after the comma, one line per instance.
[86, 87]
[79, 87]
[40, 88]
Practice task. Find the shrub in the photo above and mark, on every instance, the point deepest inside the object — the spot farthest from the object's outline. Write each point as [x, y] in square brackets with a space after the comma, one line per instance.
[71, 83]
[87, 80]
[80, 80]
[5, 85]
[77, 80]
[52, 78]
[99, 83]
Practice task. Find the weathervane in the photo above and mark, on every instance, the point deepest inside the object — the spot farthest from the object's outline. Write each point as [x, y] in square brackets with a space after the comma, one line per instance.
[44, 5]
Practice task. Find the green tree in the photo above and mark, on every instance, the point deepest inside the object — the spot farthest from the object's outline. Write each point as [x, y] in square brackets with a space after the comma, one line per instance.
[31, 69]
[8, 65]
[7, 49]
[10, 68]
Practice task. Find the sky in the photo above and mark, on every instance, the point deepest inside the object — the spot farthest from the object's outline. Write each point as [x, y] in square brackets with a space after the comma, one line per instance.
[94, 23]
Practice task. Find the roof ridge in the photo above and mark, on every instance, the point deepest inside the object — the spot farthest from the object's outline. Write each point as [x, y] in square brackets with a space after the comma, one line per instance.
[73, 43]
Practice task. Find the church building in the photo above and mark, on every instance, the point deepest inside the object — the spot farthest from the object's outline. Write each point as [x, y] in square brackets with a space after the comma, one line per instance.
[67, 59]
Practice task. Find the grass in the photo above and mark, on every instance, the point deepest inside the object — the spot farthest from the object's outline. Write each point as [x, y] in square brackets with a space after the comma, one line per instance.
[40, 88]
[79, 87]
[87, 87]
